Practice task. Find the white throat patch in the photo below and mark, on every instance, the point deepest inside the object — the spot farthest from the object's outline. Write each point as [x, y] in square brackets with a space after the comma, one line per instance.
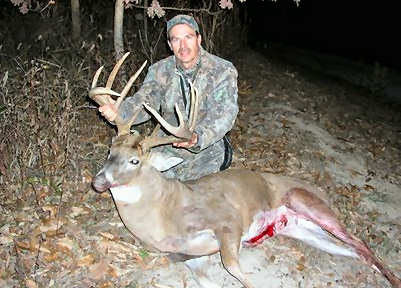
[128, 194]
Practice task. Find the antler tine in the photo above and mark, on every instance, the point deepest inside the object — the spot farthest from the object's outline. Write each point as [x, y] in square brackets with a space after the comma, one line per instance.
[96, 77]
[115, 70]
[129, 84]
[181, 131]
[124, 127]
[193, 114]
[155, 130]
[152, 141]
[101, 95]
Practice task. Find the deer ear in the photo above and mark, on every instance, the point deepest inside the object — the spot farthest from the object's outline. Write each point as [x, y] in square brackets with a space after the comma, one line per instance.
[163, 162]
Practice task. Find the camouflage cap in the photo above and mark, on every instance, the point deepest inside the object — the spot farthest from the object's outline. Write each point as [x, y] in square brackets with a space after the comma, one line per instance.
[182, 19]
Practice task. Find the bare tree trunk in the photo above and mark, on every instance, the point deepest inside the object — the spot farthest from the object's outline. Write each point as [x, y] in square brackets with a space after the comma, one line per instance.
[146, 31]
[118, 28]
[76, 20]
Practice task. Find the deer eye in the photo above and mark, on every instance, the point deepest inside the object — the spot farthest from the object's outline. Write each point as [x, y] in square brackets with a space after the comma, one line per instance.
[134, 161]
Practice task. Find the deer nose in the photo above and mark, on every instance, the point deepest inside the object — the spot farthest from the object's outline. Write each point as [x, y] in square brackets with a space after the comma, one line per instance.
[100, 183]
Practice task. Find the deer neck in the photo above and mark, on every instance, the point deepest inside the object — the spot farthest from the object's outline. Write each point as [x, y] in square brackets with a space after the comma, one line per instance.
[143, 204]
[150, 186]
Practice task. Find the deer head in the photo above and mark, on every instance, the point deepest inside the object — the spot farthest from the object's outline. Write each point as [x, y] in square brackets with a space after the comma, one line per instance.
[130, 152]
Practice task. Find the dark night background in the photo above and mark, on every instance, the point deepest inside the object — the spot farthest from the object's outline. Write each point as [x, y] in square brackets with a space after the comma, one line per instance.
[366, 31]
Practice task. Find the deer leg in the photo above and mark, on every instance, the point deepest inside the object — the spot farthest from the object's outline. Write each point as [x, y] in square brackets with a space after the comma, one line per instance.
[230, 242]
[306, 204]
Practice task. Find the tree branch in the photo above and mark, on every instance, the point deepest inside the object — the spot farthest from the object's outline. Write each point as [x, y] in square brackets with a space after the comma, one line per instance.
[203, 10]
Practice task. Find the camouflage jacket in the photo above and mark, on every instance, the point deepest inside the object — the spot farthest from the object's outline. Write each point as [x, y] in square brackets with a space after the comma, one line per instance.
[216, 82]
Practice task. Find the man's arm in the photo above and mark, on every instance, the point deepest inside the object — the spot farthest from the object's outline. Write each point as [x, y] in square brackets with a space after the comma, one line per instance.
[222, 111]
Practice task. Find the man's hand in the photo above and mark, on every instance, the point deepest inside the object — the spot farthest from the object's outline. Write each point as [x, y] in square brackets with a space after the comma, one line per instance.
[188, 144]
[109, 111]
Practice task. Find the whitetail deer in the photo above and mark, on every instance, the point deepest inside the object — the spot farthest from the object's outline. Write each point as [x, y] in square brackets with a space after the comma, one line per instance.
[217, 213]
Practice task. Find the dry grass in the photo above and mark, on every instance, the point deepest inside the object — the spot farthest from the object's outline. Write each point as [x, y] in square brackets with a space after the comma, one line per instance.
[47, 148]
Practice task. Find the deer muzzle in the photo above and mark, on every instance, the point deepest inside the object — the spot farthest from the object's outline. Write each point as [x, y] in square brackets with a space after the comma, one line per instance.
[100, 183]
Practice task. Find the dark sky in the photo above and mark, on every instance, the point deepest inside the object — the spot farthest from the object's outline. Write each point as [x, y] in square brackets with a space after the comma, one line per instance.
[361, 30]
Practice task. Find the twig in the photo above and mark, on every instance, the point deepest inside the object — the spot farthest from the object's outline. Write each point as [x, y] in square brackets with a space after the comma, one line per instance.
[153, 48]
[51, 2]
[48, 63]
[202, 10]
[36, 193]
[59, 206]
[143, 45]
[36, 265]
[145, 28]
[17, 262]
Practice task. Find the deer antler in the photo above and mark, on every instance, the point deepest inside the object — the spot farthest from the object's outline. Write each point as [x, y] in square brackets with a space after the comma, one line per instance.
[183, 132]
[101, 95]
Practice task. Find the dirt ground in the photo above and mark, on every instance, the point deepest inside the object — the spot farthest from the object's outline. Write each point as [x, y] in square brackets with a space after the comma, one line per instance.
[291, 122]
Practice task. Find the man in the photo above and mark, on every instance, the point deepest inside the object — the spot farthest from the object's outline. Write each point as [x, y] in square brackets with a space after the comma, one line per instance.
[167, 83]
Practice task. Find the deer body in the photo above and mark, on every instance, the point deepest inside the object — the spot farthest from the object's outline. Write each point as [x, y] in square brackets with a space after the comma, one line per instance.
[182, 213]
[186, 216]
[217, 213]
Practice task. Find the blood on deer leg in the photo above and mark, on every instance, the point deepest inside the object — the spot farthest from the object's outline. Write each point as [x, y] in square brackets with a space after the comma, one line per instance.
[307, 205]
[230, 241]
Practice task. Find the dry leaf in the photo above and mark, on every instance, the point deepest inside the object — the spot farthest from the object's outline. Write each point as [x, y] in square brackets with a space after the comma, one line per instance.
[113, 271]
[164, 261]
[86, 260]
[300, 267]
[65, 245]
[5, 240]
[78, 211]
[42, 248]
[115, 248]
[108, 235]
[368, 187]
[98, 270]
[105, 195]
[42, 193]
[51, 209]
[86, 176]
[107, 284]
[51, 257]
[157, 285]
[30, 283]
[24, 245]
[50, 227]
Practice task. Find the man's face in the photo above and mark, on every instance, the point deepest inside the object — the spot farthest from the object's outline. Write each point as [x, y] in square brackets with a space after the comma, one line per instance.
[185, 44]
